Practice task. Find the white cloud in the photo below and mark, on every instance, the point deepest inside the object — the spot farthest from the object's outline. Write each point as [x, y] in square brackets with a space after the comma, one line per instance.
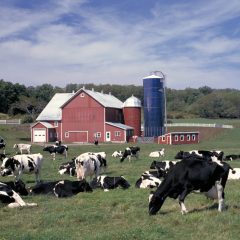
[186, 42]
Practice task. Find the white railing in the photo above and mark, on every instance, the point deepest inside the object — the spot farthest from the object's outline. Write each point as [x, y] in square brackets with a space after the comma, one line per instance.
[214, 125]
[11, 121]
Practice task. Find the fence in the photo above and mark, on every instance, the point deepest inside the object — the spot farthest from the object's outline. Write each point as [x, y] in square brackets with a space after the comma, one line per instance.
[11, 121]
[214, 125]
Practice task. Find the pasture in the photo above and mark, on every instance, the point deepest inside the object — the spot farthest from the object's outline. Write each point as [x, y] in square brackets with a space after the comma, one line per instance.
[120, 214]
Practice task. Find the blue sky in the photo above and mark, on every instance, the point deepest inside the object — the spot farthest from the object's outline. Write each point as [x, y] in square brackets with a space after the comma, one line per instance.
[194, 43]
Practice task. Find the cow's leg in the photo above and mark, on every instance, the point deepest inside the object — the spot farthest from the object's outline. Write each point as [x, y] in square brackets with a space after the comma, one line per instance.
[53, 156]
[18, 200]
[181, 201]
[220, 192]
[4, 151]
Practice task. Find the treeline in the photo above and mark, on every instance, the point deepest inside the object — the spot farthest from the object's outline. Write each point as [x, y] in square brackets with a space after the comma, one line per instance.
[202, 102]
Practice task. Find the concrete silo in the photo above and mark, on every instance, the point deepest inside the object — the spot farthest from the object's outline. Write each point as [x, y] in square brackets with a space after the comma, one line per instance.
[132, 114]
[154, 104]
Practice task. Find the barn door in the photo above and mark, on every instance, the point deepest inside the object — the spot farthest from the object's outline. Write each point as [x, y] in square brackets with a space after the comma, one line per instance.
[108, 136]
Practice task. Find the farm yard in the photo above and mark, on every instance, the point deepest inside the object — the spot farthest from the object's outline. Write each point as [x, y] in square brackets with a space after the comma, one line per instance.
[121, 214]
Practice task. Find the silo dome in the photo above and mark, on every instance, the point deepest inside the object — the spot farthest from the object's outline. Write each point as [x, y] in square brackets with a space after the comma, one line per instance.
[132, 102]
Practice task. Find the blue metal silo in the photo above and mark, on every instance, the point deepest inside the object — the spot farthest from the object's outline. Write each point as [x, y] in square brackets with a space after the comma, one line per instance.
[154, 104]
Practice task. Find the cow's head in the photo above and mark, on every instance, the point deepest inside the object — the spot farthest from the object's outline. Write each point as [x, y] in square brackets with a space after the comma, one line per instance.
[19, 187]
[9, 163]
[155, 202]
[153, 165]
[96, 183]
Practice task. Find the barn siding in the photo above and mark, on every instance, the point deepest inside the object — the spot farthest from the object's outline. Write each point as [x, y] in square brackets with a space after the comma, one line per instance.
[113, 131]
[82, 114]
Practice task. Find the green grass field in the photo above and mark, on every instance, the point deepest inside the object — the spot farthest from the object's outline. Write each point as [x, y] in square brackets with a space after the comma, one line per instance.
[120, 214]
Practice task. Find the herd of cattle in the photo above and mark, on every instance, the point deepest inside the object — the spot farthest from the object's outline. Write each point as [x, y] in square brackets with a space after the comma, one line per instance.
[194, 171]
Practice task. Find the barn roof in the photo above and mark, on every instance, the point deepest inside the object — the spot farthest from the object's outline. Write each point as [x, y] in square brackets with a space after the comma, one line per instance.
[53, 109]
[119, 125]
[106, 100]
[45, 124]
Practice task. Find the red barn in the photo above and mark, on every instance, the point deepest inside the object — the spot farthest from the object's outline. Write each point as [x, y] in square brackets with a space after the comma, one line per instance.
[82, 117]
[174, 138]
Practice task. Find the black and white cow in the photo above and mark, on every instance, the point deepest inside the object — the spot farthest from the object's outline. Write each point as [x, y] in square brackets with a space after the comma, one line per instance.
[87, 165]
[2, 156]
[148, 179]
[130, 152]
[68, 168]
[10, 193]
[188, 176]
[100, 155]
[201, 154]
[25, 163]
[234, 174]
[117, 154]
[2, 145]
[107, 182]
[53, 149]
[61, 189]
[162, 166]
[231, 157]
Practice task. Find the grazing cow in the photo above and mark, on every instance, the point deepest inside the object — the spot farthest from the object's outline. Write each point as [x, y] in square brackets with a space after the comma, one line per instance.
[25, 163]
[61, 189]
[130, 152]
[231, 157]
[162, 166]
[157, 153]
[106, 182]
[234, 174]
[53, 149]
[2, 145]
[22, 147]
[117, 154]
[147, 180]
[87, 165]
[187, 176]
[68, 168]
[10, 193]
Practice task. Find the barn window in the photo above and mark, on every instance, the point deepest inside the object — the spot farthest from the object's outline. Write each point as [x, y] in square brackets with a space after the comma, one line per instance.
[82, 95]
[117, 134]
[55, 123]
[193, 137]
[181, 137]
[66, 134]
[163, 138]
[176, 138]
[188, 137]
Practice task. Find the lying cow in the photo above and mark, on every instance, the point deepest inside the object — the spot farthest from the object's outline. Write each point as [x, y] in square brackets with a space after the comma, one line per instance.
[117, 154]
[2, 145]
[188, 176]
[68, 168]
[61, 189]
[201, 154]
[22, 147]
[130, 152]
[234, 174]
[106, 182]
[53, 149]
[147, 180]
[87, 165]
[231, 157]
[157, 154]
[162, 166]
[25, 163]
[10, 193]
[2, 156]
